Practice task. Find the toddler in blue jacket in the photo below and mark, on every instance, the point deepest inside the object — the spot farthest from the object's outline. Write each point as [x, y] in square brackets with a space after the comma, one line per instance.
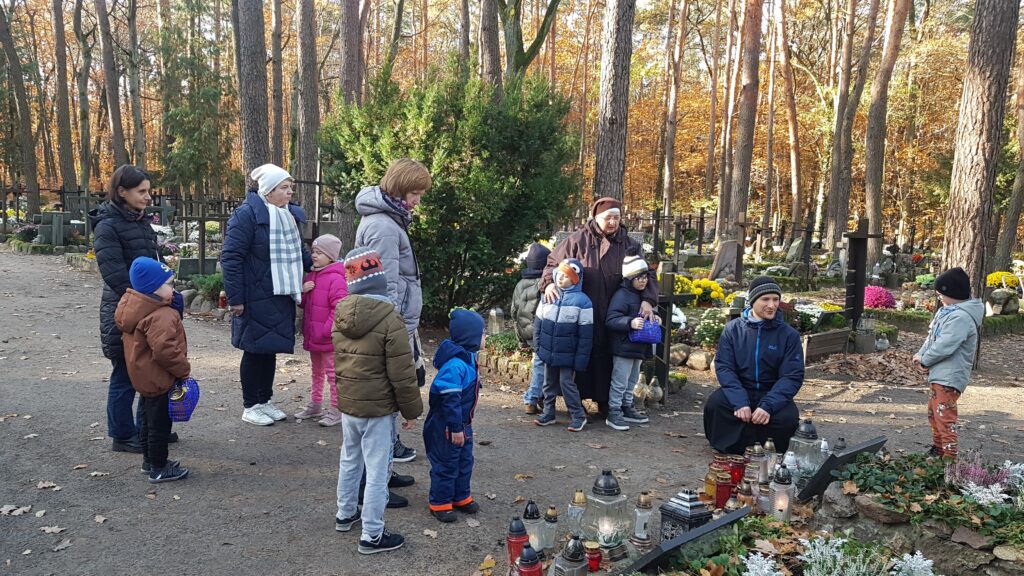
[563, 338]
[448, 430]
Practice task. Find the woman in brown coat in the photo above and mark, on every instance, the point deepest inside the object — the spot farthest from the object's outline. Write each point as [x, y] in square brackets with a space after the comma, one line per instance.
[601, 245]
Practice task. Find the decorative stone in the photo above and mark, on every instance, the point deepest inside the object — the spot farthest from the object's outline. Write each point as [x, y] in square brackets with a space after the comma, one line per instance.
[795, 250]
[867, 506]
[197, 303]
[1002, 301]
[678, 355]
[1009, 553]
[59, 250]
[841, 505]
[189, 296]
[503, 365]
[699, 360]
[219, 313]
[834, 269]
[965, 535]
[208, 306]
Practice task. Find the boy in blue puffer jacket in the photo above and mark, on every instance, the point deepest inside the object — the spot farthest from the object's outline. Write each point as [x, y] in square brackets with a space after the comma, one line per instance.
[563, 338]
[448, 431]
[623, 316]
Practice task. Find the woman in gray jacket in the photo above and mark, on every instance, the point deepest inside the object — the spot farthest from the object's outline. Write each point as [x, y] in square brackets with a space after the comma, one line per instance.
[385, 213]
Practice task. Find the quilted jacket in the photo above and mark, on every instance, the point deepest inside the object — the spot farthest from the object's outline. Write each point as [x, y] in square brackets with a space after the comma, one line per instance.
[318, 306]
[564, 330]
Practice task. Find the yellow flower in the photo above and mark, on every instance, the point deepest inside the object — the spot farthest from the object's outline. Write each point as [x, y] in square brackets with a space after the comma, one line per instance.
[698, 291]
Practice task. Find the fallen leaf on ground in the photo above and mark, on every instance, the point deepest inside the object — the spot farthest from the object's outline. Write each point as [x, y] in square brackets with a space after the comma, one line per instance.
[916, 508]
[519, 500]
[621, 470]
[661, 480]
[850, 487]
[26, 552]
[44, 484]
[65, 543]
[99, 519]
[12, 510]
[52, 529]
[560, 467]
[97, 474]
[491, 496]
[94, 425]
[486, 568]
[473, 523]
[429, 532]
[176, 497]
[79, 466]
[523, 477]
[40, 514]
[151, 495]
[484, 443]
[765, 547]
[675, 435]
[95, 438]
[29, 436]
[596, 446]
[321, 443]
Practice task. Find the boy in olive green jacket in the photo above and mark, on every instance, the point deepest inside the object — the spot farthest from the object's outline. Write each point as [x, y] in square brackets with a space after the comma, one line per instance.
[375, 377]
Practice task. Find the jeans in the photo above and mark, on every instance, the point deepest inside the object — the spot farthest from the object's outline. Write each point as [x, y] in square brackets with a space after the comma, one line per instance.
[155, 430]
[120, 397]
[556, 378]
[257, 374]
[625, 372]
[323, 369]
[366, 446]
[535, 393]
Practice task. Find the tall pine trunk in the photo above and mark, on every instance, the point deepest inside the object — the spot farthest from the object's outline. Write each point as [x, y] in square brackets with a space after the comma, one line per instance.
[277, 87]
[725, 162]
[874, 139]
[490, 48]
[464, 34]
[29, 167]
[613, 102]
[252, 83]
[793, 126]
[675, 58]
[769, 180]
[1008, 239]
[65, 150]
[833, 227]
[84, 137]
[135, 85]
[309, 108]
[745, 122]
[716, 56]
[978, 137]
[351, 48]
[110, 78]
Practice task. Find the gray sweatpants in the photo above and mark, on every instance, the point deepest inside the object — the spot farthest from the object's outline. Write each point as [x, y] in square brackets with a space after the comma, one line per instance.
[366, 443]
[561, 379]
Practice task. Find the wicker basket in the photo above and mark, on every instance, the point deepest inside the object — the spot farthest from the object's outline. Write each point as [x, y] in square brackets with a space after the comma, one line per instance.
[182, 399]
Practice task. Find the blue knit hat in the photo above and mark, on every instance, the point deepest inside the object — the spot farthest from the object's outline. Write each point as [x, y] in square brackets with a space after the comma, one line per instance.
[466, 328]
[364, 273]
[147, 275]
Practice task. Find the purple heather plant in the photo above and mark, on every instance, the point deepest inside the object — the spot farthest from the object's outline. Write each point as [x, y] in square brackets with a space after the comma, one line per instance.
[878, 297]
[969, 469]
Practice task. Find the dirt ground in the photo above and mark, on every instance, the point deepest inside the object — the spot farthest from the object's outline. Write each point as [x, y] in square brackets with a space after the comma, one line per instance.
[262, 500]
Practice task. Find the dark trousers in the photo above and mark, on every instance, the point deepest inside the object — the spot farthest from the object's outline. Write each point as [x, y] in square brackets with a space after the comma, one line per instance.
[729, 435]
[121, 423]
[257, 373]
[155, 431]
[451, 469]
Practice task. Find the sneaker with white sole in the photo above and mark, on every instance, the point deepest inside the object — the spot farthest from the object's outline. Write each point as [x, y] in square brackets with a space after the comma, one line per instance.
[577, 425]
[312, 410]
[332, 417]
[403, 453]
[384, 542]
[631, 414]
[169, 473]
[270, 410]
[345, 524]
[615, 421]
[254, 415]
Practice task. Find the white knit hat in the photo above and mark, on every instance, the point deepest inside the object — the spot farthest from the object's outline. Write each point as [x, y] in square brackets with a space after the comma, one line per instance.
[633, 266]
[269, 176]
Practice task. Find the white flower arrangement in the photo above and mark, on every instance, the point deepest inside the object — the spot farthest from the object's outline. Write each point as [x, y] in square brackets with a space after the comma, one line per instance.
[985, 495]
[916, 565]
[758, 565]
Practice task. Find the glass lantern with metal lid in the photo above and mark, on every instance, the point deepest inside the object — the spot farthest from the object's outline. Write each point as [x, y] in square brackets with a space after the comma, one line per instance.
[549, 533]
[642, 513]
[534, 524]
[806, 445]
[607, 518]
[683, 512]
[783, 492]
[573, 559]
[574, 513]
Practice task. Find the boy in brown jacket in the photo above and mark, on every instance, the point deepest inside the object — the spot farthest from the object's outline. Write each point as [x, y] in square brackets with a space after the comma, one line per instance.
[156, 353]
[376, 377]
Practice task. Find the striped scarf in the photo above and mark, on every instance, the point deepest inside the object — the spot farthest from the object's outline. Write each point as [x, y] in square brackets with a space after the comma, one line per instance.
[285, 253]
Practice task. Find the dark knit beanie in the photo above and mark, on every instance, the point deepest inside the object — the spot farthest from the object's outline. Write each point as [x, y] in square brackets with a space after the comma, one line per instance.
[954, 283]
[536, 260]
[760, 286]
[364, 273]
[604, 204]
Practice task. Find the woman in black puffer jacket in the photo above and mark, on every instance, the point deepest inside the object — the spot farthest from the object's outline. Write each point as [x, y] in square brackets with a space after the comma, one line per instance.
[122, 234]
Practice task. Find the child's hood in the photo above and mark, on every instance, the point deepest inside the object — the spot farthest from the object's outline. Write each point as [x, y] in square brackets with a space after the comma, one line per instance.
[133, 308]
[973, 307]
[357, 315]
[467, 330]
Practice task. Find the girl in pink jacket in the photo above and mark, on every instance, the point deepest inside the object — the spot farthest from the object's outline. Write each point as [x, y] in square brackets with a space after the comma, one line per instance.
[322, 289]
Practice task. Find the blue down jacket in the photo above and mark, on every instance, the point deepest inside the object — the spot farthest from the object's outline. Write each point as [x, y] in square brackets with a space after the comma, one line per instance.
[624, 307]
[761, 355]
[267, 325]
[118, 241]
[563, 333]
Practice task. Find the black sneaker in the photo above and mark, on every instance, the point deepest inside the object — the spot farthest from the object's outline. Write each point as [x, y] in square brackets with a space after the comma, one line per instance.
[471, 508]
[172, 438]
[132, 446]
[631, 414]
[384, 542]
[168, 473]
[403, 453]
[400, 480]
[345, 524]
[446, 516]
[147, 467]
[394, 500]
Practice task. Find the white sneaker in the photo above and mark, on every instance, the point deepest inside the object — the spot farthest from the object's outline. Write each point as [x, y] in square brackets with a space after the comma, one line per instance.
[272, 411]
[255, 415]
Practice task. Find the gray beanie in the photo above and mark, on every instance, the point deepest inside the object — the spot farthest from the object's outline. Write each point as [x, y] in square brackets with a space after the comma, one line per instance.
[760, 286]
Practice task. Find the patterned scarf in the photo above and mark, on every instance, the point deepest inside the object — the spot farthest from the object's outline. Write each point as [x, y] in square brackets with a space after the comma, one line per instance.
[400, 206]
[285, 252]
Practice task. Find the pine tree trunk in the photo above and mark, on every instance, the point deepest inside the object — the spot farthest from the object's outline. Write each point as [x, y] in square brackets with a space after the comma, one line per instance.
[84, 137]
[1008, 239]
[134, 85]
[791, 119]
[517, 57]
[834, 228]
[874, 139]
[65, 150]
[613, 105]
[277, 87]
[490, 49]
[464, 33]
[769, 181]
[309, 109]
[168, 83]
[351, 47]
[725, 162]
[110, 77]
[978, 137]
[671, 112]
[745, 123]
[716, 56]
[29, 166]
[252, 84]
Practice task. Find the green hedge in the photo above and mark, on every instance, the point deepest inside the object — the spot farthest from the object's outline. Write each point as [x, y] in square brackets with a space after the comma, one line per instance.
[1008, 324]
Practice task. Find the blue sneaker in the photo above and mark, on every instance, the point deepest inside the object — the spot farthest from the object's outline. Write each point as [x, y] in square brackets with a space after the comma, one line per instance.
[544, 420]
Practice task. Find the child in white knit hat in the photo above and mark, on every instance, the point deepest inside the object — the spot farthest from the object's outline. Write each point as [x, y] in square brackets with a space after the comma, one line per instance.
[623, 316]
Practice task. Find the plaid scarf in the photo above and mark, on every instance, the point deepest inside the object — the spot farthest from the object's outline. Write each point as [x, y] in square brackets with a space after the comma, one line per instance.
[285, 253]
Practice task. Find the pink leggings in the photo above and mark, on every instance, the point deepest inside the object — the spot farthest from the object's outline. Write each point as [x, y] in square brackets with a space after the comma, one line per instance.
[323, 365]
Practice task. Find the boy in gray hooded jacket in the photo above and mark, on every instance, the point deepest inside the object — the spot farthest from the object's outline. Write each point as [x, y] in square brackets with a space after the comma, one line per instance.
[947, 356]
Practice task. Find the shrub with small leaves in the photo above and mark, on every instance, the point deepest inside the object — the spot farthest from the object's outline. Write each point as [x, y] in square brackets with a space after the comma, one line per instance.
[503, 343]
[758, 565]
